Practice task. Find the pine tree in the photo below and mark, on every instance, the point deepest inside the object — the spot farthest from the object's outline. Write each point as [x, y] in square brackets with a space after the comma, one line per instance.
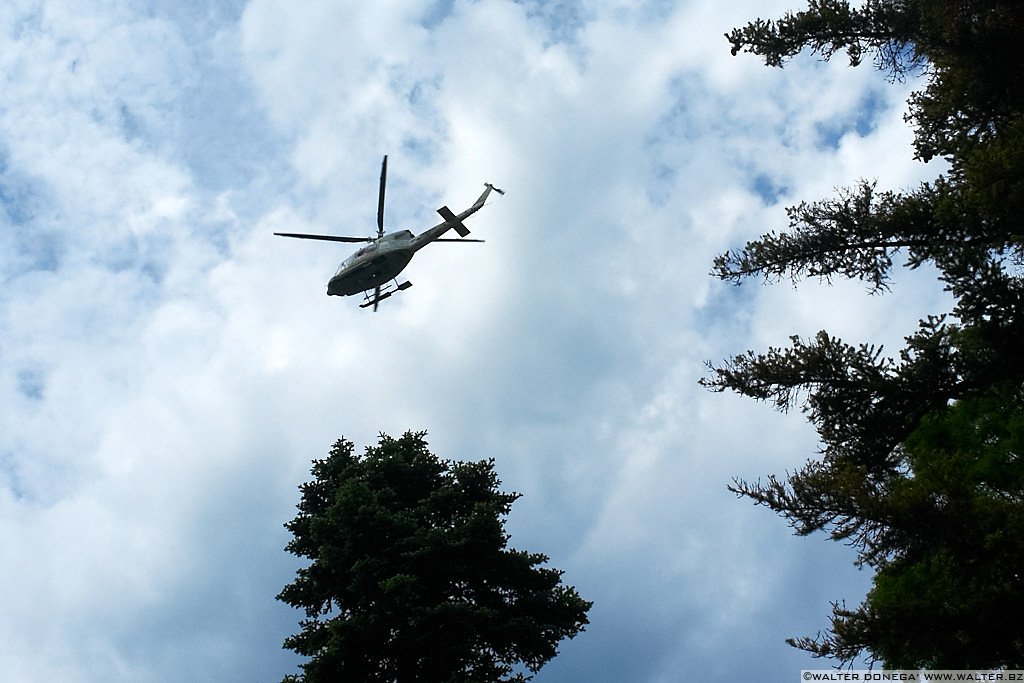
[884, 481]
[411, 578]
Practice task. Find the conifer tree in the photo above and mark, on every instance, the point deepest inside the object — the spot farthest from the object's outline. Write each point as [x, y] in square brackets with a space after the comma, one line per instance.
[921, 512]
[411, 578]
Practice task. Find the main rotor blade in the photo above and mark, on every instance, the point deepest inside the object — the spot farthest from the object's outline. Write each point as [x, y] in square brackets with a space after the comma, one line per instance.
[453, 239]
[380, 200]
[328, 238]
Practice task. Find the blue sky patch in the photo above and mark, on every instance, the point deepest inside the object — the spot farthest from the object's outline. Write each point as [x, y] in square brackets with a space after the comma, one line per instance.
[31, 383]
[861, 121]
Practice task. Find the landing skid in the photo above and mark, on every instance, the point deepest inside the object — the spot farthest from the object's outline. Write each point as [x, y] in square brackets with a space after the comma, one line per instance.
[380, 294]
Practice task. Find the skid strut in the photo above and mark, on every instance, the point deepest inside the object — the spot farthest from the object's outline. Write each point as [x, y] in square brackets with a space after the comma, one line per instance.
[384, 294]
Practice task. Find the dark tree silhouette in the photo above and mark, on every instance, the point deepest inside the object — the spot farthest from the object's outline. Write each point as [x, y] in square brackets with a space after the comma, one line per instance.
[922, 513]
[411, 578]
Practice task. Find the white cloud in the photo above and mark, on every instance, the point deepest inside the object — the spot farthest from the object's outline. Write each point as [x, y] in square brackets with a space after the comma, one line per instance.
[169, 368]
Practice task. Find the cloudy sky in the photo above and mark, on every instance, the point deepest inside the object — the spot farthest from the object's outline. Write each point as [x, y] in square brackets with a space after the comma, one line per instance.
[169, 368]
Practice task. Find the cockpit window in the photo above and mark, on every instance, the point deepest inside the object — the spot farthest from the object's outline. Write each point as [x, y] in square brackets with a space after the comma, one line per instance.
[369, 248]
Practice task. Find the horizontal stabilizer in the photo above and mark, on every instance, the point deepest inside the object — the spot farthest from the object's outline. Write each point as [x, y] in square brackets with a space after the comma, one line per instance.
[453, 221]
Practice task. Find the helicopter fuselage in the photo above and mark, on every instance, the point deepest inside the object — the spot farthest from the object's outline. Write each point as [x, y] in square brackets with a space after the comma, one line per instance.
[373, 265]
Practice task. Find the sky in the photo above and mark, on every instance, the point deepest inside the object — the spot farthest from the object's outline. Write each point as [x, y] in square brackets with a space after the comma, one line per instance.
[169, 368]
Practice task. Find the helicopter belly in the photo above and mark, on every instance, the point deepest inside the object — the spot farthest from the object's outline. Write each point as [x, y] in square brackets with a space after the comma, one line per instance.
[368, 274]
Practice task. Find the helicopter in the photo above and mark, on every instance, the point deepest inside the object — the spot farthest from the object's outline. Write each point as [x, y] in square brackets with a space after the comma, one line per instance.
[371, 268]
